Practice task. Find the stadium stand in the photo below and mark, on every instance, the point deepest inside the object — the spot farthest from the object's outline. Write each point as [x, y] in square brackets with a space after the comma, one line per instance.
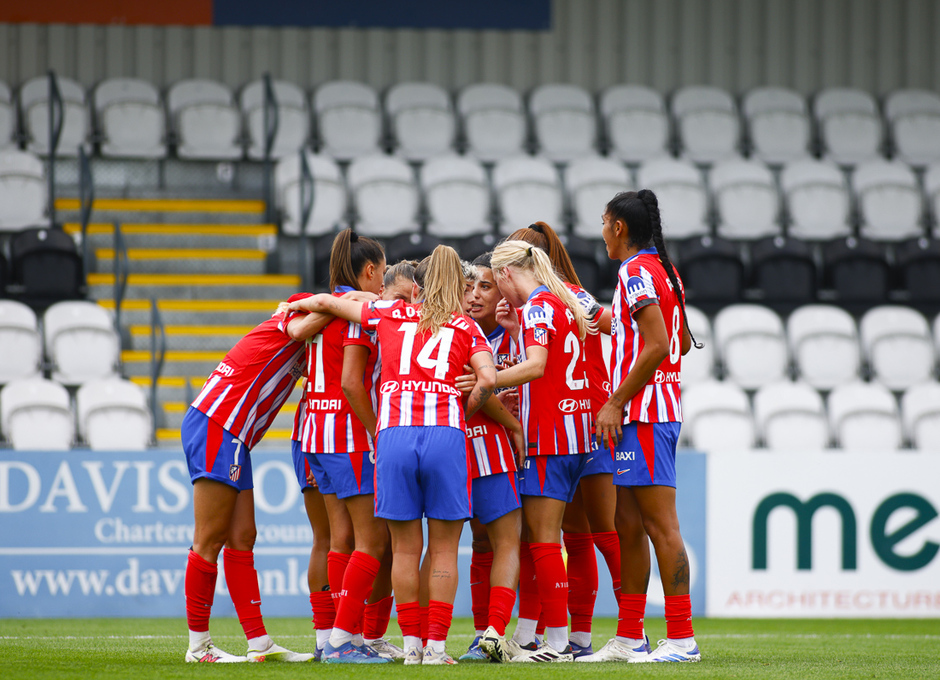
[21, 341]
[751, 345]
[330, 200]
[707, 123]
[778, 124]
[864, 417]
[897, 345]
[526, 186]
[385, 194]
[456, 196]
[699, 365]
[817, 200]
[113, 415]
[746, 199]
[889, 200]
[293, 118]
[914, 120]
[129, 119]
[790, 416]
[716, 416]
[824, 344]
[932, 191]
[22, 190]
[850, 128]
[421, 120]
[7, 118]
[591, 182]
[36, 414]
[80, 342]
[920, 412]
[564, 121]
[205, 120]
[494, 123]
[33, 101]
[783, 271]
[349, 122]
[682, 195]
[635, 122]
[45, 267]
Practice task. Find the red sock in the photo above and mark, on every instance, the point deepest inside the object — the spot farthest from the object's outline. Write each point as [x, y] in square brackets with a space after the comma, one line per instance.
[502, 601]
[336, 563]
[425, 624]
[440, 614]
[609, 544]
[200, 590]
[357, 582]
[324, 613]
[630, 616]
[375, 621]
[552, 581]
[242, 581]
[678, 617]
[582, 580]
[480, 565]
[409, 618]
[530, 607]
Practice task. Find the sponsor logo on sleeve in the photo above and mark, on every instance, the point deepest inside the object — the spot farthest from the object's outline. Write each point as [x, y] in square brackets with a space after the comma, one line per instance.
[639, 289]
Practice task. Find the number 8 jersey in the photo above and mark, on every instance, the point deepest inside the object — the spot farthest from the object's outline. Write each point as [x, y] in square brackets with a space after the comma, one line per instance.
[642, 281]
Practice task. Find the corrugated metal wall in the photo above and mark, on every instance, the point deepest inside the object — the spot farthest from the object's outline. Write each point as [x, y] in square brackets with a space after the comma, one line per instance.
[878, 45]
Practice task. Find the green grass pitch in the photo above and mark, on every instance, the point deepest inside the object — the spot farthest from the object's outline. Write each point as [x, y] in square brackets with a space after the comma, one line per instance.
[144, 649]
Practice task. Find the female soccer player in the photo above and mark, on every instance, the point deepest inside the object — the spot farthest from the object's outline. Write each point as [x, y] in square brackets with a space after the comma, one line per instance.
[399, 281]
[421, 455]
[642, 417]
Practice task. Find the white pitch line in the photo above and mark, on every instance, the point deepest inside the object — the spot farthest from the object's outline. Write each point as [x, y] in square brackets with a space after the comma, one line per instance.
[708, 636]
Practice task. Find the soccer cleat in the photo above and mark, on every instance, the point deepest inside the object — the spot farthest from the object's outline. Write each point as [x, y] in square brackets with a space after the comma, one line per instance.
[497, 648]
[615, 650]
[545, 654]
[212, 654]
[348, 653]
[432, 658]
[386, 649]
[370, 651]
[580, 651]
[277, 653]
[414, 656]
[474, 653]
[670, 651]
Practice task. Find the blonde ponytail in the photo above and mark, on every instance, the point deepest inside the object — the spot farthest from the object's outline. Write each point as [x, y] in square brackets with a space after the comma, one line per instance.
[443, 289]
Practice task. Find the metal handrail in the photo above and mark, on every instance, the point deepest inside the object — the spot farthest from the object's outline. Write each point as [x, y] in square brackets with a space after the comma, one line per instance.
[156, 364]
[271, 123]
[86, 197]
[306, 208]
[121, 269]
[56, 118]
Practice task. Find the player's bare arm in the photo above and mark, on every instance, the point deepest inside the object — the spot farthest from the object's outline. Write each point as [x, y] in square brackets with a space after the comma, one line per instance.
[496, 410]
[531, 369]
[355, 358]
[482, 363]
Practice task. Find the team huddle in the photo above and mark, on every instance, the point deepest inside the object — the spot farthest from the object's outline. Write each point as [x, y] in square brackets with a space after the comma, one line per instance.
[445, 391]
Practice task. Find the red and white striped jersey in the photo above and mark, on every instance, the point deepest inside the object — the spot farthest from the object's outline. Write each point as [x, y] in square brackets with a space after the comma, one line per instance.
[555, 409]
[247, 389]
[642, 281]
[598, 377]
[420, 370]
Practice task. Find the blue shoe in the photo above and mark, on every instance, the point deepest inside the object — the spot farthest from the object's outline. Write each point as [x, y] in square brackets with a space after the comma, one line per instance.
[348, 653]
[580, 651]
[474, 653]
[368, 651]
[318, 655]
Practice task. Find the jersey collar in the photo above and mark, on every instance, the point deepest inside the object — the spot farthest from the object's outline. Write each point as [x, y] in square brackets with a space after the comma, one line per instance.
[538, 290]
[343, 289]
[497, 333]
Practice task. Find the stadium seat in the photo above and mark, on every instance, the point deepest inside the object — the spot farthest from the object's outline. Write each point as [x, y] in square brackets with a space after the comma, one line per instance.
[80, 341]
[22, 190]
[680, 190]
[385, 194]
[349, 123]
[824, 345]
[528, 190]
[698, 365]
[746, 199]
[7, 118]
[113, 415]
[36, 414]
[564, 121]
[293, 118]
[778, 124]
[917, 263]
[413, 246]
[474, 246]
[635, 121]
[22, 344]
[591, 182]
[849, 125]
[329, 194]
[583, 254]
[457, 196]
[817, 200]
[864, 417]
[857, 271]
[712, 271]
[421, 120]
[932, 190]
[791, 417]
[889, 201]
[130, 119]
[706, 122]
[751, 345]
[494, 123]
[46, 266]
[914, 119]
[34, 115]
[897, 344]
[716, 417]
[920, 413]
[784, 271]
[206, 122]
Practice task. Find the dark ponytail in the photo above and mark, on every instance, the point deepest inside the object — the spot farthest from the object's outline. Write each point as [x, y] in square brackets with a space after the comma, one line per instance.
[349, 255]
[541, 235]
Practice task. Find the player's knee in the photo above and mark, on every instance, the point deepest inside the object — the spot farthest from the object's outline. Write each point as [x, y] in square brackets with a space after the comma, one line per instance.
[243, 539]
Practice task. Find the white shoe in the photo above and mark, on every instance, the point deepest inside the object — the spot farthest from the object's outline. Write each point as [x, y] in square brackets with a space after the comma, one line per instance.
[545, 654]
[386, 649]
[275, 652]
[615, 650]
[495, 646]
[414, 656]
[670, 651]
[432, 658]
[212, 654]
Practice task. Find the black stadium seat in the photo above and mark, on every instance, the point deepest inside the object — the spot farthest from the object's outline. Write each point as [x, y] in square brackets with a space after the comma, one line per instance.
[413, 246]
[857, 271]
[918, 271]
[712, 272]
[46, 267]
[784, 271]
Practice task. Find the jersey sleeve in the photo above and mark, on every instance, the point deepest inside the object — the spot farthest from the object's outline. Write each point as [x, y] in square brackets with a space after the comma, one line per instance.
[374, 311]
[538, 326]
[296, 314]
[639, 292]
[478, 341]
[592, 308]
[355, 335]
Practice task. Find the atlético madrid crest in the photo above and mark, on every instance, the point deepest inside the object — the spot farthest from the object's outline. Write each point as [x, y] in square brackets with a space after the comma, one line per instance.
[234, 472]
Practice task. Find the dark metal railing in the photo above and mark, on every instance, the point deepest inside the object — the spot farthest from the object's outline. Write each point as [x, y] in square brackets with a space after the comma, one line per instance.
[271, 123]
[86, 198]
[306, 208]
[157, 358]
[56, 118]
[121, 270]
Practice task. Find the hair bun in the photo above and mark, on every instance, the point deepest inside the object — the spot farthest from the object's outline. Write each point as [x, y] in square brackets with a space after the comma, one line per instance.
[536, 226]
[353, 236]
[642, 193]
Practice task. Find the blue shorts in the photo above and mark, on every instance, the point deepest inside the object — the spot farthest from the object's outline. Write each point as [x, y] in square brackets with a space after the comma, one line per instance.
[599, 461]
[494, 496]
[214, 453]
[301, 466]
[345, 474]
[646, 455]
[552, 476]
[422, 470]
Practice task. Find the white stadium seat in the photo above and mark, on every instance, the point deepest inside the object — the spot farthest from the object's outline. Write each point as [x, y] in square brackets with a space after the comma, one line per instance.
[494, 123]
[636, 122]
[7, 118]
[329, 194]
[457, 196]
[349, 123]
[706, 122]
[564, 121]
[528, 190]
[680, 190]
[591, 182]
[21, 342]
[293, 118]
[716, 417]
[746, 199]
[920, 412]
[22, 190]
[113, 415]
[34, 114]
[932, 189]
[817, 199]
[778, 124]
[421, 119]
[889, 200]
[914, 117]
[824, 344]
[131, 120]
[864, 417]
[206, 121]
[849, 125]
[36, 414]
[80, 341]
[698, 365]
[385, 194]
[791, 417]
[751, 345]
[897, 345]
